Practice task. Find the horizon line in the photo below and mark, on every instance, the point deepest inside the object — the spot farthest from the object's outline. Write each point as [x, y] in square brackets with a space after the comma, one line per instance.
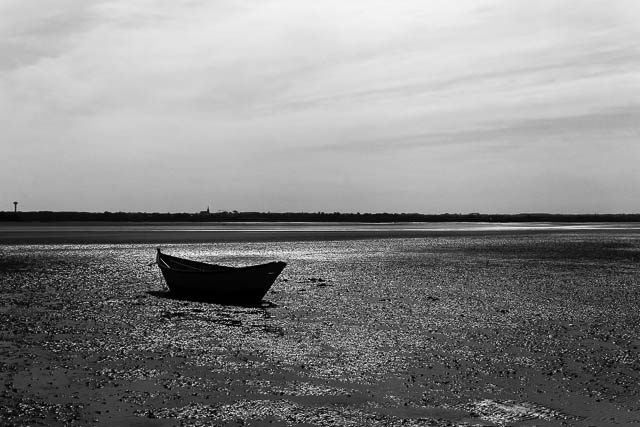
[235, 212]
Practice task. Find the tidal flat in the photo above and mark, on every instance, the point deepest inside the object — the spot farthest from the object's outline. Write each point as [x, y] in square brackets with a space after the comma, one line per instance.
[483, 329]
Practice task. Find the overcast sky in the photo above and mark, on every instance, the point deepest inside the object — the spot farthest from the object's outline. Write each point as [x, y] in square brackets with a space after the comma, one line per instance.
[334, 105]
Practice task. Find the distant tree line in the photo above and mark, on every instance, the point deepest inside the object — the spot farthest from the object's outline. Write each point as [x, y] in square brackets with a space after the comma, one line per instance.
[235, 216]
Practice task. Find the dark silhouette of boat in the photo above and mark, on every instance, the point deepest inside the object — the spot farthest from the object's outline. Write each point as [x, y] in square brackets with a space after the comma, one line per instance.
[217, 283]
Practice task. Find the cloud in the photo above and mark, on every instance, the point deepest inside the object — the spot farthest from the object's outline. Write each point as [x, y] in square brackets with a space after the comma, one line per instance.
[31, 32]
[604, 128]
[101, 86]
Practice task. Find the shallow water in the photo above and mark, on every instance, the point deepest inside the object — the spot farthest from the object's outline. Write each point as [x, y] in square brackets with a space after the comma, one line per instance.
[533, 329]
[86, 233]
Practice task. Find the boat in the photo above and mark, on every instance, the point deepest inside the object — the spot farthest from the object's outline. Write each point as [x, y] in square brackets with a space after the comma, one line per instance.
[217, 283]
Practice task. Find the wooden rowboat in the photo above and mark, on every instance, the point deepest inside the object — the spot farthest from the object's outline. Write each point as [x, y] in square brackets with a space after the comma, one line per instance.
[218, 283]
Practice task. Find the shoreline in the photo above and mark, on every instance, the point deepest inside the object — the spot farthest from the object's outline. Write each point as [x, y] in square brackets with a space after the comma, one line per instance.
[86, 233]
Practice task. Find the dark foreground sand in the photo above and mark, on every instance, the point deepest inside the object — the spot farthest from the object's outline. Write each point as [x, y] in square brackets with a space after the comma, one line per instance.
[453, 330]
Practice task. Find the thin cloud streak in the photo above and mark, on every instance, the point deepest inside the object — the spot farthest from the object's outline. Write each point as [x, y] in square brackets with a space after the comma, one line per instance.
[622, 125]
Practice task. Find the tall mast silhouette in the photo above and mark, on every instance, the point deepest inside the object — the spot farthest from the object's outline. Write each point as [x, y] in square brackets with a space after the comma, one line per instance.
[15, 207]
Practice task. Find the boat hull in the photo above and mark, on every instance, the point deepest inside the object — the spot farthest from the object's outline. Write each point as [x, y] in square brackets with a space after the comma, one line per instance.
[208, 282]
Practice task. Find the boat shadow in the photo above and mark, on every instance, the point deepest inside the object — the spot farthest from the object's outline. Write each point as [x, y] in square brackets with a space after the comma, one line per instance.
[176, 297]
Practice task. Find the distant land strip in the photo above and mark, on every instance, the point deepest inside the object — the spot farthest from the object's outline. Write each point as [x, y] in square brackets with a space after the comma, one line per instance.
[235, 216]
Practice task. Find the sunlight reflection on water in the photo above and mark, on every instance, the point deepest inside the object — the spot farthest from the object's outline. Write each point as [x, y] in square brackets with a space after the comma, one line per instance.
[293, 228]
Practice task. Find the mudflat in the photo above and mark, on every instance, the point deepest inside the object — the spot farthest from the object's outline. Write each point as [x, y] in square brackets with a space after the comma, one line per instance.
[513, 328]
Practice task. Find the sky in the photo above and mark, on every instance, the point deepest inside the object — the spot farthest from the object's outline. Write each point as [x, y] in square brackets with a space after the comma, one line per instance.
[431, 106]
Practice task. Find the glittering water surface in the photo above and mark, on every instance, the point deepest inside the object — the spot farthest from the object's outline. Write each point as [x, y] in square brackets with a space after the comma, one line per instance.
[482, 330]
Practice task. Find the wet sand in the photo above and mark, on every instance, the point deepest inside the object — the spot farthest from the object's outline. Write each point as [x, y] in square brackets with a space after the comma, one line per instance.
[525, 328]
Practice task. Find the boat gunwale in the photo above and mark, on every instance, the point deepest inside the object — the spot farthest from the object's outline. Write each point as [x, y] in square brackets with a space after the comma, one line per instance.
[217, 269]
